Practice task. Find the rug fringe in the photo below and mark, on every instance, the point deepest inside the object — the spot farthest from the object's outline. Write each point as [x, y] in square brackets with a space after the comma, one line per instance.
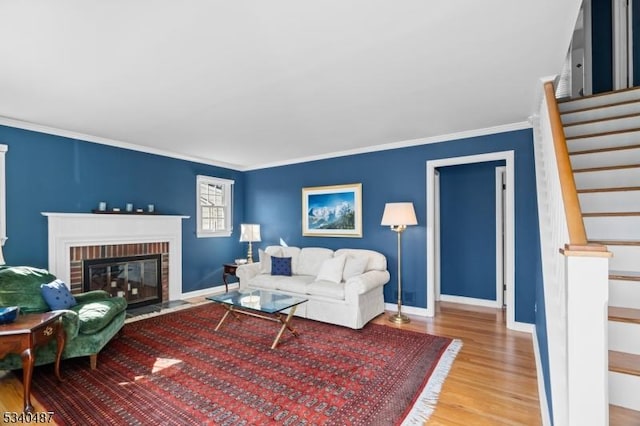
[426, 402]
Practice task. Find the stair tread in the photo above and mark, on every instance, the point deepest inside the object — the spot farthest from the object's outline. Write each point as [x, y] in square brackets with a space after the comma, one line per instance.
[591, 108]
[620, 416]
[624, 314]
[623, 362]
[629, 242]
[607, 133]
[624, 275]
[610, 214]
[596, 95]
[600, 150]
[612, 189]
[600, 120]
[601, 169]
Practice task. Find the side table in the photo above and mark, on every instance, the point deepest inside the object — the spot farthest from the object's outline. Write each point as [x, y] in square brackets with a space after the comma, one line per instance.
[24, 335]
[229, 271]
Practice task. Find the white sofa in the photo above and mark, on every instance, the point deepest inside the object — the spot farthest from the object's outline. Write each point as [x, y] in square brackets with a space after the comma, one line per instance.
[344, 287]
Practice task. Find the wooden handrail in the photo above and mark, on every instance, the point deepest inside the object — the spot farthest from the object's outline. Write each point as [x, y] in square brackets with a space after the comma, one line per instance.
[575, 224]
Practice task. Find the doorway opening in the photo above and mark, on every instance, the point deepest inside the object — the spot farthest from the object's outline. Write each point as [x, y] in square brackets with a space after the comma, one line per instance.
[507, 247]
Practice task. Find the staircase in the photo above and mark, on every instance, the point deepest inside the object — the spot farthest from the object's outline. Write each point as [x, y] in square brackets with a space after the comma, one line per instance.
[603, 139]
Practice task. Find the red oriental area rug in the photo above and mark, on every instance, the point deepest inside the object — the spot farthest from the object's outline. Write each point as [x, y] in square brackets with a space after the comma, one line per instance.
[174, 369]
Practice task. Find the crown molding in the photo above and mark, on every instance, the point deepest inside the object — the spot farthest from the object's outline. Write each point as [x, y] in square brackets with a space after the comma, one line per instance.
[402, 144]
[375, 148]
[111, 142]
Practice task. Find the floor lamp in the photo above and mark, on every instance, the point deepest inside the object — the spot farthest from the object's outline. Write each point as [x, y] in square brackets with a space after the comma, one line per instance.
[398, 216]
[249, 232]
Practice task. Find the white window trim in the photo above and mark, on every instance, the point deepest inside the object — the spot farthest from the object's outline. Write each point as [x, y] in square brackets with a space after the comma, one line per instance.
[3, 195]
[228, 188]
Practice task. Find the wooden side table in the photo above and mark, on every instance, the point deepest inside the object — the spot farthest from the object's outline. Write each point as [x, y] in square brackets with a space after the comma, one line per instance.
[229, 270]
[24, 335]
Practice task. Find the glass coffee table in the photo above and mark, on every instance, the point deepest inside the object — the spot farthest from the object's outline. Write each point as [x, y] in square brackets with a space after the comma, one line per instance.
[260, 304]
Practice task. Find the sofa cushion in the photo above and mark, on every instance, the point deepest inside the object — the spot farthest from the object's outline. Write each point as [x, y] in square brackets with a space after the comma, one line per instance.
[326, 289]
[311, 259]
[265, 261]
[264, 281]
[295, 284]
[20, 286]
[96, 315]
[57, 295]
[331, 269]
[281, 266]
[294, 254]
[354, 266]
[376, 261]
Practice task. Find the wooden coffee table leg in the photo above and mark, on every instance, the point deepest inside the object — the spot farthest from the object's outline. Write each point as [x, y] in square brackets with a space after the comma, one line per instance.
[27, 373]
[285, 324]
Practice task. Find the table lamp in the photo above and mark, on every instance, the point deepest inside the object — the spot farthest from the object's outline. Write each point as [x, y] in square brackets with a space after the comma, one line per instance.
[249, 232]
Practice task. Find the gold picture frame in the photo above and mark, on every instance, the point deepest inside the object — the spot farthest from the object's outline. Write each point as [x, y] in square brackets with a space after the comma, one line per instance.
[332, 211]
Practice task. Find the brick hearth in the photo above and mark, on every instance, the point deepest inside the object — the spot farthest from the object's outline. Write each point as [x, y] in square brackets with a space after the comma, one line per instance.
[78, 254]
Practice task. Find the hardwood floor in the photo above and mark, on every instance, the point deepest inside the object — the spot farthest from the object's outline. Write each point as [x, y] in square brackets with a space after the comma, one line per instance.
[493, 380]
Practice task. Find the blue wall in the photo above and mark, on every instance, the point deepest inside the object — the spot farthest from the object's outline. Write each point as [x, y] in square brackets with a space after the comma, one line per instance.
[47, 173]
[468, 230]
[273, 199]
[602, 45]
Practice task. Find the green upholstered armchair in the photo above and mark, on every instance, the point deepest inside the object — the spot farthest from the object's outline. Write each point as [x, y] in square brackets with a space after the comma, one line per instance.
[89, 325]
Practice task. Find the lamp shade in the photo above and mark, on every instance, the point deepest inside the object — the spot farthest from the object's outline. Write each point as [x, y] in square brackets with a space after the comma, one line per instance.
[250, 232]
[399, 214]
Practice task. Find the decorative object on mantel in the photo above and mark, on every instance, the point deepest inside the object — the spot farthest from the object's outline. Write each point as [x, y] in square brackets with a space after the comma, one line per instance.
[250, 232]
[398, 216]
[118, 211]
[102, 206]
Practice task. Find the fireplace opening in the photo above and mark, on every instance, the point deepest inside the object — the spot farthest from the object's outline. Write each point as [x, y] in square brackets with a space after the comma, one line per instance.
[136, 278]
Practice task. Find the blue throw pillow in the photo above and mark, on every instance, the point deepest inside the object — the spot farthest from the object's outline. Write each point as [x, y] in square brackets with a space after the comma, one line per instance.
[57, 295]
[281, 266]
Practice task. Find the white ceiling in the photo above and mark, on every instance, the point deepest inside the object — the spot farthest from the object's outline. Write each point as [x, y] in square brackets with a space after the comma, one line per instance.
[249, 83]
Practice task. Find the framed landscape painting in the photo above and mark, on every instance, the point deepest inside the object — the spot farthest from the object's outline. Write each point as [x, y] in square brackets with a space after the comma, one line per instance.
[332, 211]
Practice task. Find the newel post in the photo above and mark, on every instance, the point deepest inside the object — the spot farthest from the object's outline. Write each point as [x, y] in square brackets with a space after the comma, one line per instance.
[587, 285]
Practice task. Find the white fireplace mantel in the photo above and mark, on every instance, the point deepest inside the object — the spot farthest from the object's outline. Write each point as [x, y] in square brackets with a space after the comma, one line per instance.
[68, 230]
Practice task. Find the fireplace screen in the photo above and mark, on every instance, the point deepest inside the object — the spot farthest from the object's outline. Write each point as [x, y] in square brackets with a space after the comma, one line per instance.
[136, 278]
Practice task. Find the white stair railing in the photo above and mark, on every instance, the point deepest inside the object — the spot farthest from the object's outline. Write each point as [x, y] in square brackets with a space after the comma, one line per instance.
[575, 279]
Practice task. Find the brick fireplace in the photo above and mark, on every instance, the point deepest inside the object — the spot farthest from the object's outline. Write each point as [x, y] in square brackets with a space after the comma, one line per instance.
[74, 237]
[118, 252]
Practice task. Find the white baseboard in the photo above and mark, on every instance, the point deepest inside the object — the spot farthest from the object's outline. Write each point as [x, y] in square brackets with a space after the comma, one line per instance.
[469, 301]
[542, 391]
[207, 291]
[411, 310]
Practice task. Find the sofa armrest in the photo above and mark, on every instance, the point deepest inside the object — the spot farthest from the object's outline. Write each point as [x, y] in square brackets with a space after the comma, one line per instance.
[70, 323]
[91, 296]
[364, 283]
[246, 272]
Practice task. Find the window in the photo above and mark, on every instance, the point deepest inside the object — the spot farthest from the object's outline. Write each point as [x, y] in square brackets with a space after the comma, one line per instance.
[215, 207]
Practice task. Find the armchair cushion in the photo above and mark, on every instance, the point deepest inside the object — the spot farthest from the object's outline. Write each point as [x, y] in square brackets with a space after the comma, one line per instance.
[91, 296]
[57, 295]
[96, 315]
[20, 286]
